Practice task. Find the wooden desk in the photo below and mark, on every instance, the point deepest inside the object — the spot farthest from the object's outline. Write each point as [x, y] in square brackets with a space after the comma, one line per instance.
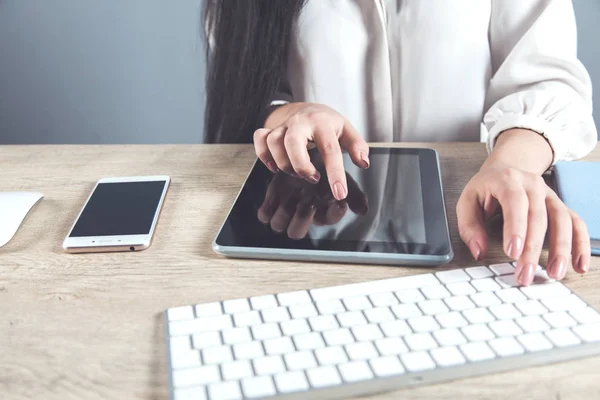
[91, 326]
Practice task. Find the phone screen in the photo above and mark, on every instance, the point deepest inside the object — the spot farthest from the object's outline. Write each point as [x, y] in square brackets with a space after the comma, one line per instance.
[120, 208]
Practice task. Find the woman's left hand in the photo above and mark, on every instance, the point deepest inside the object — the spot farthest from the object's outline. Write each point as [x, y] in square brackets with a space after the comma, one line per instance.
[529, 208]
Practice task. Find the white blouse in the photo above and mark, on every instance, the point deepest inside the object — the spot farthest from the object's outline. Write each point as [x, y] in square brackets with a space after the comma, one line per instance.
[452, 70]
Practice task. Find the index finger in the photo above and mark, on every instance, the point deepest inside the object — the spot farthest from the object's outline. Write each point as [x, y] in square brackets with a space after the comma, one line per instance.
[331, 153]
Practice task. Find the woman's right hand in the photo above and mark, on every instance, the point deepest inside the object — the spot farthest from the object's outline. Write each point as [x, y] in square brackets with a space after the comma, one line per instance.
[291, 130]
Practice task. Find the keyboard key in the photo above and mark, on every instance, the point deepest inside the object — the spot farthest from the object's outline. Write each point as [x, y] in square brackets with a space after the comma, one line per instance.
[589, 332]
[372, 287]
[330, 307]
[357, 303]
[391, 346]
[217, 355]
[406, 311]
[361, 351]
[181, 344]
[338, 337]
[459, 303]
[323, 377]
[502, 269]
[478, 316]
[395, 328]
[534, 342]
[294, 327]
[303, 310]
[559, 319]
[269, 365]
[505, 328]
[367, 333]
[180, 313]
[585, 315]
[451, 276]
[351, 318]
[512, 295]
[477, 333]
[417, 361]
[379, 314]
[309, 341]
[331, 356]
[505, 311]
[507, 281]
[432, 307]
[479, 272]
[261, 386]
[289, 382]
[452, 319]
[300, 360]
[323, 323]
[562, 337]
[549, 290]
[194, 393]
[506, 346]
[435, 292]
[420, 341]
[477, 351]
[424, 324]
[191, 326]
[410, 296]
[236, 370]
[190, 358]
[485, 285]
[248, 318]
[449, 337]
[485, 299]
[225, 391]
[206, 339]
[383, 299]
[531, 307]
[461, 288]
[208, 310]
[263, 302]
[278, 346]
[236, 335]
[297, 297]
[236, 306]
[196, 376]
[355, 371]
[533, 323]
[248, 351]
[387, 366]
[563, 303]
[276, 314]
[266, 331]
[447, 356]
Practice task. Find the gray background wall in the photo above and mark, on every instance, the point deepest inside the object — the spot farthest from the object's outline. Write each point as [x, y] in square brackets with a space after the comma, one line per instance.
[128, 71]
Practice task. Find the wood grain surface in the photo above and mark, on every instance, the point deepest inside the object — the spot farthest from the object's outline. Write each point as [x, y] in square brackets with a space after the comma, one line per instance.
[91, 326]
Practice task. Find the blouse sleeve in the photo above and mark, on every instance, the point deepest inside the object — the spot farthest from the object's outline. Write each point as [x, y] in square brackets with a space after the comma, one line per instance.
[537, 81]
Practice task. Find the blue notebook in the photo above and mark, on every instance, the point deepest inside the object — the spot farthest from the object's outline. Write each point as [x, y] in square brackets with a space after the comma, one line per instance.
[578, 185]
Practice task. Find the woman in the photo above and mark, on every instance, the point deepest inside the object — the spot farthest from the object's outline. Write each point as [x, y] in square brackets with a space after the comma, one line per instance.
[340, 73]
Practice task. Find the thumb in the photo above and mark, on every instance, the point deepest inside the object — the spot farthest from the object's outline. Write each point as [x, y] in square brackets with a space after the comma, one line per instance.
[355, 145]
[471, 227]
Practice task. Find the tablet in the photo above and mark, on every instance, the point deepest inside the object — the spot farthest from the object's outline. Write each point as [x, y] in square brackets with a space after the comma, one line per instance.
[394, 214]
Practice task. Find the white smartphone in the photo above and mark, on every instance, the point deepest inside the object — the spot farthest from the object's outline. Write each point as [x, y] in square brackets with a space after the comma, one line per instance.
[119, 215]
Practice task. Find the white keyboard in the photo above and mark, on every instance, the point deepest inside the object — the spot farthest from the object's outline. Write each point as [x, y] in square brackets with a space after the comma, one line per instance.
[376, 336]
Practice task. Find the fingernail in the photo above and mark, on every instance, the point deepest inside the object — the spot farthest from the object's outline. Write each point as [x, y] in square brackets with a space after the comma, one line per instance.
[272, 167]
[315, 178]
[526, 276]
[581, 265]
[558, 268]
[475, 249]
[338, 191]
[365, 160]
[514, 247]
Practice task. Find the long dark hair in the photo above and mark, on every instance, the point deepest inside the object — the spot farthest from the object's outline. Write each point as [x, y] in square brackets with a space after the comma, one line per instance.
[249, 55]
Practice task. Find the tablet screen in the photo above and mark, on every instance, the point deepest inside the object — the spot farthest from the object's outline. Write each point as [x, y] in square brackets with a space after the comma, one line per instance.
[394, 206]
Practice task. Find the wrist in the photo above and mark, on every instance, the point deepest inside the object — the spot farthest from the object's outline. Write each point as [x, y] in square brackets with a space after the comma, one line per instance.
[522, 149]
[280, 113]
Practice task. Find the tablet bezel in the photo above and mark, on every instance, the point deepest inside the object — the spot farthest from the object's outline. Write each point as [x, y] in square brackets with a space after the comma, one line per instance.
[436, 223]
